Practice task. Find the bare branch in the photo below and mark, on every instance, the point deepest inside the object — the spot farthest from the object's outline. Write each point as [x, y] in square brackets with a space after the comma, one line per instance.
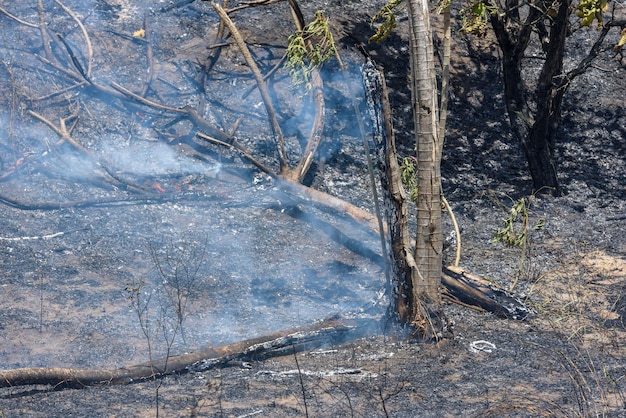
[85, 35]
[145, 101]
[236, 145]
[44, 32]
[265, 95]
[17, 19]
[595, 50]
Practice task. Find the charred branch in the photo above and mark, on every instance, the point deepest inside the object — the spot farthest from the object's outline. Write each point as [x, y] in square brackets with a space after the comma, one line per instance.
[333, 330]
[85, 35]
[265, 95]
[65, 136]
[470, 290]
[187, 111]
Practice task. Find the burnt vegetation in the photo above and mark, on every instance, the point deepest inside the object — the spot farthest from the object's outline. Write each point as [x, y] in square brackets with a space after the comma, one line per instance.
[199, 109]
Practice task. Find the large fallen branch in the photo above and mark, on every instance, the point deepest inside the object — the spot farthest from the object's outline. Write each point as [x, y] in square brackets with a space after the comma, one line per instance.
[329, 331]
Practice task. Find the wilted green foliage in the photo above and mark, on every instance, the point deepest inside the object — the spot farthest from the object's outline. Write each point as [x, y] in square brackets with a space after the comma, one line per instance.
[308, 49]
[408, 171]
[387, 16]
[475, 16]
[514, 232]
[590, 10]
[622, 41]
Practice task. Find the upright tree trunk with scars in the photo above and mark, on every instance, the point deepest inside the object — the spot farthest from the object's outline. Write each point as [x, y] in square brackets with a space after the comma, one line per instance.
[426, 310]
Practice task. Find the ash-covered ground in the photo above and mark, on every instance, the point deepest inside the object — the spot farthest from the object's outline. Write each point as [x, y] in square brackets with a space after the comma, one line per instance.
[249, 258]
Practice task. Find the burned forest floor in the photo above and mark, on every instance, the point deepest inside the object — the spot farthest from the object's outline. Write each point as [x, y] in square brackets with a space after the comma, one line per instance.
[127, 237]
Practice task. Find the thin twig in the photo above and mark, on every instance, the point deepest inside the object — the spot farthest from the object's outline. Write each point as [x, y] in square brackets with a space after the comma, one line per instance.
[131, 38]
[191, 114]
[62, 91]
[85, 35]
[79, 78]
[73, 57]
[265, 95]
[306, 408]
[236, 145]
[215, 49]
[17, 19]
[145, 101]
[247, 4]
[68, 72]
[457, 231]
[149, 56]
[270, 73]
[63, 132]
[44, 33]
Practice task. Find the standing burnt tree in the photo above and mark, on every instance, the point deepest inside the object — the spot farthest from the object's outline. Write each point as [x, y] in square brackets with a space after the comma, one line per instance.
[534, 106]
[417, 272]
[419, 278]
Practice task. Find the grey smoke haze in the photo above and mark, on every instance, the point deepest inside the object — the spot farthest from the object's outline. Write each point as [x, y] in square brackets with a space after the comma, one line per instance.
[263, 271]
[152, 158]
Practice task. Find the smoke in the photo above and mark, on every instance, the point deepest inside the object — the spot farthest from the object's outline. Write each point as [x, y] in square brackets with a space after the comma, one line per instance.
[263, 270]
[152, 158]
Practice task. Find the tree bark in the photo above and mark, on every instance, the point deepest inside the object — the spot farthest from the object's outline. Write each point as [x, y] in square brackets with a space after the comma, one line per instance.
[394, 197]
[541, 143]
[537, 134]
[427, 314]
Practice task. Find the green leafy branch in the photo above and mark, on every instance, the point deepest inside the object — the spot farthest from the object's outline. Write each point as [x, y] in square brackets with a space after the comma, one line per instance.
[590, 10]
[475, 16]
[514, 232]
[308, 49]
[387, 16]
[408, 174]
[387, 22]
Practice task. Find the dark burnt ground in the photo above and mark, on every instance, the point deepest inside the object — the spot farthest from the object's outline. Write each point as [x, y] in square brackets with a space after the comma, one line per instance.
[261, 269]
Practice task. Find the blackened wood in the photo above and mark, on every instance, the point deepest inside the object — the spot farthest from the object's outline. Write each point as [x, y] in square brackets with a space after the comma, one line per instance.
[329, 331]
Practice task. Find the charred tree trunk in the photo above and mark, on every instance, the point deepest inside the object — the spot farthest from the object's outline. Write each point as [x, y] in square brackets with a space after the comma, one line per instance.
[541, 143]
[537, 129]
[328, 331]
[394, 196]
[416, 278]
[537, 132]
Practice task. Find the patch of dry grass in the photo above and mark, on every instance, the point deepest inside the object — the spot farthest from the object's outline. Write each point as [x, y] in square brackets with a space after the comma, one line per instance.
[576, 300]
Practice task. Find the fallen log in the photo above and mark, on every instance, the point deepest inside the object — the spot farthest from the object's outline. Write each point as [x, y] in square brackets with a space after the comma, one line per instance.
[461, 287]
[475, 292]
[330, 331]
